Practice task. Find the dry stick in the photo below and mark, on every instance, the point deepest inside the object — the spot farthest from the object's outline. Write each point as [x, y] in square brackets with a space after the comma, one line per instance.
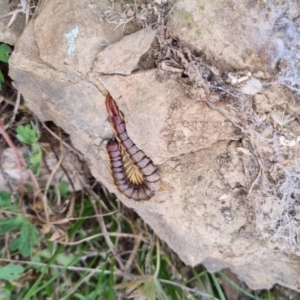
[57, 194]
[16, 11]
[184, 288]
[21, 162]
[66, 220]
[17, 213]
[78, 269]
[72, 201]
[27, 11]
[44, 198]
[78, 284]
[58, 222]
[16, 108]
[58, 138]
[71, 206]
[107, 239]
[117, 234]
[102, 225]
[9, 101]
[17, 154]
[92, 193]
[132, 256]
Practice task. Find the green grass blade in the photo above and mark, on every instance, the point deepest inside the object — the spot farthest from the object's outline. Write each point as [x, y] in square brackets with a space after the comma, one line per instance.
[111, 293]
[238, 287]
[218, 287]
[99, 285]
[197, 276]
[33, 289]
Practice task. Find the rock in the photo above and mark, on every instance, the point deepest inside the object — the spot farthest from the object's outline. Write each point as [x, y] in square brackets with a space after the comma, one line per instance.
[113, 61]
[195, 147]
[54, 40]
[236, 35]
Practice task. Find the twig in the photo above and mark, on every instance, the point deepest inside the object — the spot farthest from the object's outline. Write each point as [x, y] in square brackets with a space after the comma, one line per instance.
[16, 109]
[184, 288]
[57, 222]
[58, 138]
[72, 197]
[71, 268]
[26, 7]
[134, 251]
[78, 284]
[71, 206]
[65, 220]
[44, 199]
[107, 239]
[126, 235]
[16, 11]
[9, 101]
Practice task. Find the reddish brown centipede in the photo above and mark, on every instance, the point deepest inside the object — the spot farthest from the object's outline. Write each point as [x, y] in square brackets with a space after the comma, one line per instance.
[134, 173]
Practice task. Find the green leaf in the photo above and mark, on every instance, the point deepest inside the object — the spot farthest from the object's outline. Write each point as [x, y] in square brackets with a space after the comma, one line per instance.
[1, 80]
[11, 272]
[63, 189]
[5, 200]
[5, 52]
[149, 290]
[27, 134]
[64, 259]
[27, 239]
[34, 168]
[36, 154]
[7, 225]
[35, 160]
[4, 293]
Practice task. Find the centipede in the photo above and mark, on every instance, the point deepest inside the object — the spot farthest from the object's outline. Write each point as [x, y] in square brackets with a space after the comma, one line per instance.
[133, 172]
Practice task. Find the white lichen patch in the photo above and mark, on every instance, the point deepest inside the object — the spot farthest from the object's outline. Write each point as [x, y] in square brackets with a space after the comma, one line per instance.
[71, 36]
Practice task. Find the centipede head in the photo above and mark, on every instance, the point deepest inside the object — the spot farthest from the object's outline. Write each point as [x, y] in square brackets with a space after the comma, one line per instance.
[112, 107]
[115, 115]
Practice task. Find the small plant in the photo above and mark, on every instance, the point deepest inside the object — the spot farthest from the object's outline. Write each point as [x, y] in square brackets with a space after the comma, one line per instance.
[156, 286]
[63, 188]
[282, 119]
[147, 287]
[28, 237]
[11, 272]
[5, 52]
[29, 135]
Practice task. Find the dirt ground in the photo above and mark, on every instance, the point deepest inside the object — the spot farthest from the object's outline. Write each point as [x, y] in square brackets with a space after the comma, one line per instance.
[209, 91]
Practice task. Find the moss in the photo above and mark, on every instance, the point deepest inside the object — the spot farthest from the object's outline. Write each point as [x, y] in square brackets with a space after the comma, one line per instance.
[198, 31]
[200, 7]
[185, 16]
[188, 19]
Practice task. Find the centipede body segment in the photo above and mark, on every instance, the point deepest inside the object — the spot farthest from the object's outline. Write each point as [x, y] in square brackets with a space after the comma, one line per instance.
[133, 172]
